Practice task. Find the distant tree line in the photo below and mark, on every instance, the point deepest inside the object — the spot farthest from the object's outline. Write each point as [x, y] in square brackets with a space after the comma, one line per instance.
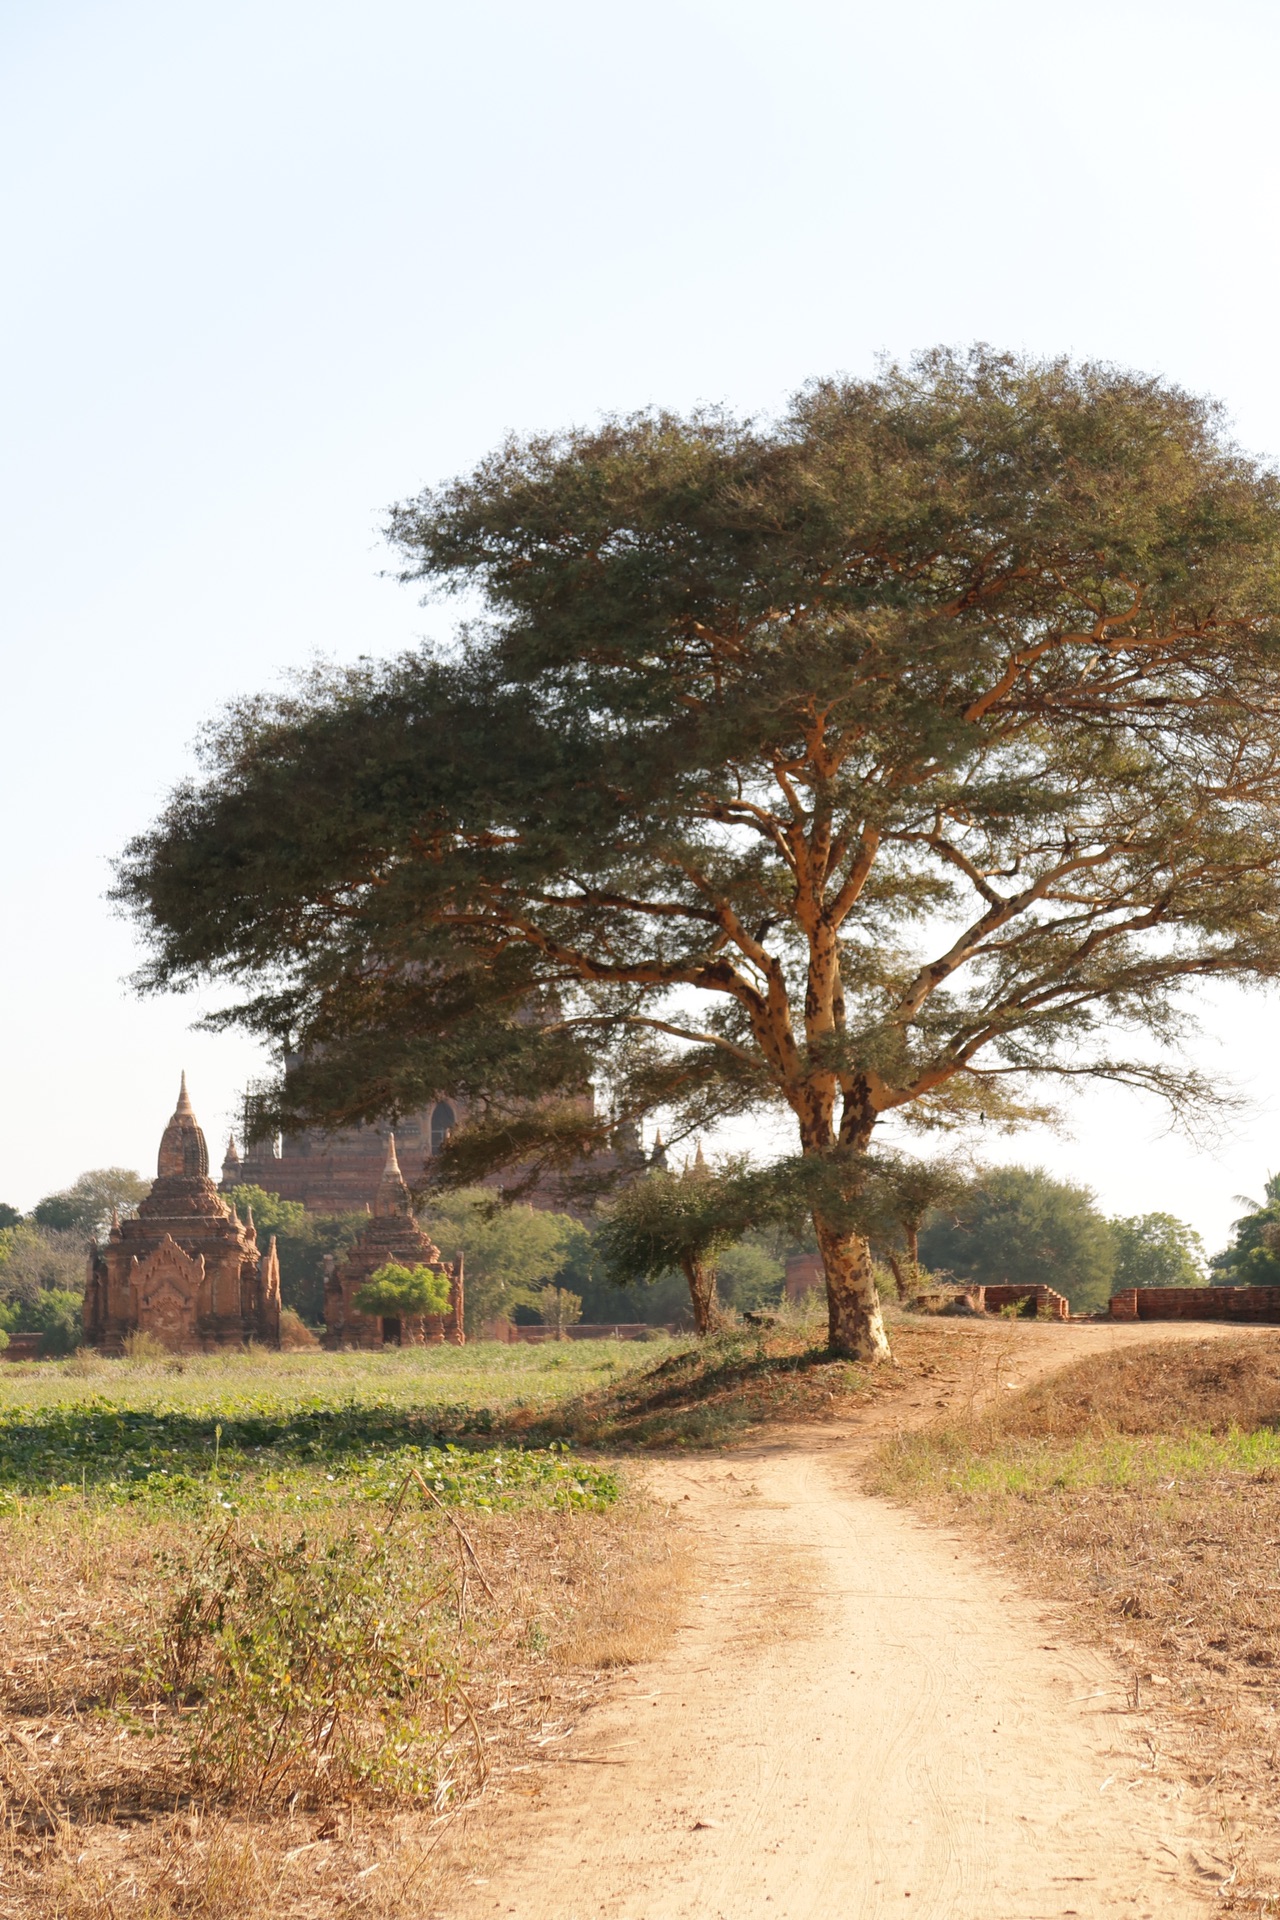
[1010, 1224]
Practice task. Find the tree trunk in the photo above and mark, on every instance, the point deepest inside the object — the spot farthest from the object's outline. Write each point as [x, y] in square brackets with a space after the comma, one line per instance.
[899, 1278]
[913, 1248]
[855, 1330]
[702, 1292]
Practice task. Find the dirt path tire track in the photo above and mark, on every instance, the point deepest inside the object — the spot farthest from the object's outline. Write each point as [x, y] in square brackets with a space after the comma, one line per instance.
[963, 1760]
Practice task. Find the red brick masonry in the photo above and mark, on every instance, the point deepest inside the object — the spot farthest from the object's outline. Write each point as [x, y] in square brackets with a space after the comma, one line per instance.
[1197, 1303]
[1049, 1303]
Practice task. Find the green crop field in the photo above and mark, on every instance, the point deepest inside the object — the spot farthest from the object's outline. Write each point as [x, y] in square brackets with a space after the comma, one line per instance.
[298, 1430]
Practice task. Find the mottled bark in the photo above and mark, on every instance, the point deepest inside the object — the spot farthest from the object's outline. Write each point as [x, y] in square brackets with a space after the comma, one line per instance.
[702, 1292]
[855, 1329]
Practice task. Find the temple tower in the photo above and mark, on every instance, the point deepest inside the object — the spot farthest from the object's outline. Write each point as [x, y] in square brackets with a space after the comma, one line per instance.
[392, 1235]
[185, 1268]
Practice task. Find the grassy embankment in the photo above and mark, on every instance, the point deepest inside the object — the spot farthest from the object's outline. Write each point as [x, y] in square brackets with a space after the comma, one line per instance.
[1142, 1488]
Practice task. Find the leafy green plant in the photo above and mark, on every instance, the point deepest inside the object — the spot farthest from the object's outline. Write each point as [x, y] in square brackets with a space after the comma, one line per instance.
[313, 1668]
[396, 1290]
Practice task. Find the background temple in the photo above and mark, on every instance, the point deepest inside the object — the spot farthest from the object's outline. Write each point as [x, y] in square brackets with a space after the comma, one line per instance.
[341, 1172]
[392, 1236]
[185, 1268]
[337, 1172]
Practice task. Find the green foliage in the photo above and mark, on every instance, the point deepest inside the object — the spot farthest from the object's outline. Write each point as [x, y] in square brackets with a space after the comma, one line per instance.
[33, 1259]
[9, 1216]
[1253, 1257]
[395, 1290]
[661, 1221]
[86, 1206]
[512, 1252]
[56, 1313]
[559, 1308]
[750, 1275]
[1157, 1250]
[316, 1666]
[302, 1241]
[1020, 1226]
[317, 1456]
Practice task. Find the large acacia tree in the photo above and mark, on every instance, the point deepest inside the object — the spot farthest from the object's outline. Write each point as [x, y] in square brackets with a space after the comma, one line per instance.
[879, 759]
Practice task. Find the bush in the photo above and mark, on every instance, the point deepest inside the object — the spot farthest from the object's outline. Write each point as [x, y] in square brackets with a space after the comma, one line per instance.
[316, 1669]
[56, 1314]
[396, 1291]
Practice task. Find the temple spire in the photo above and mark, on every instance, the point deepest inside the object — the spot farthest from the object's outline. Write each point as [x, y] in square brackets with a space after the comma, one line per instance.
[393, 1194]
[183, 1153]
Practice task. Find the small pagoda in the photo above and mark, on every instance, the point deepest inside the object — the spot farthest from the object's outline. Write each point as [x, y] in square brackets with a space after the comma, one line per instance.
[392, 1235]
[185, 1268]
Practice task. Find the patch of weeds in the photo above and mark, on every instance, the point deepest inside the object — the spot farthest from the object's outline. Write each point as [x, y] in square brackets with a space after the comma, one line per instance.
[310, 1669]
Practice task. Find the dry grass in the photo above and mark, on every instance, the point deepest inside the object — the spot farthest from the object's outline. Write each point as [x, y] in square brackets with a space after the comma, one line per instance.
[1142, 1488]
[103, 1814]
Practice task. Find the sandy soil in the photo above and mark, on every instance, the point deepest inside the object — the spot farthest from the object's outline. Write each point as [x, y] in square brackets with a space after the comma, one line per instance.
[858, 1717]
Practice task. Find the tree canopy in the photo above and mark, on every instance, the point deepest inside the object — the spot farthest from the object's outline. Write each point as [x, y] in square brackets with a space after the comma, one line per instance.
[511, 1252]
[396, 1290]
[88, 1204]
[886, 758]
[1157, 1250]
[1253, 1257]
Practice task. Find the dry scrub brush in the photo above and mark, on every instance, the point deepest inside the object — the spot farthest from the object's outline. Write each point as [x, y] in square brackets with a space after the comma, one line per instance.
[241, 1719]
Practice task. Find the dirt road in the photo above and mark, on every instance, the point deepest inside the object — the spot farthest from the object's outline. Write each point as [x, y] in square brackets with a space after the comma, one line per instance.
[858, 1718]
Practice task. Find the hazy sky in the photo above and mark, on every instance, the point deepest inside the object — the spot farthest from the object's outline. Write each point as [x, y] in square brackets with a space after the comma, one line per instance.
[270, 267]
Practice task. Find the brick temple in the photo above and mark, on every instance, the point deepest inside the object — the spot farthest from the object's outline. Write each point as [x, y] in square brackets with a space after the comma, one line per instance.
[185, 1268]
[391, 1235]
[341, 1172]
[338, 1172]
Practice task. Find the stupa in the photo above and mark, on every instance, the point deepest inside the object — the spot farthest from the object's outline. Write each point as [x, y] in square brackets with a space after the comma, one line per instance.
[185, 1268]
[392, 1235]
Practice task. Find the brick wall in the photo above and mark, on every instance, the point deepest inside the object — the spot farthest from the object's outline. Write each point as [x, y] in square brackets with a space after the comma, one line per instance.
[1256, 1304]
[1049, 1303]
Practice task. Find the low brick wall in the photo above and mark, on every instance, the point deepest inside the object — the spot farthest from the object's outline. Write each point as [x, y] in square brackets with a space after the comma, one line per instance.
[1256, 1304]
[23, 1346]
[1049, 1303]
[1038, 1303]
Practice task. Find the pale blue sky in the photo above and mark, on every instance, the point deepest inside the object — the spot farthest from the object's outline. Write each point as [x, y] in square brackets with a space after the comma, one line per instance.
[269, 267]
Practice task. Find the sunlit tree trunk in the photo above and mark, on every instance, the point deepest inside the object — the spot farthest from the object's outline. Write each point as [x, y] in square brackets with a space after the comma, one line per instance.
[855, 1328]
[702, 1292]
